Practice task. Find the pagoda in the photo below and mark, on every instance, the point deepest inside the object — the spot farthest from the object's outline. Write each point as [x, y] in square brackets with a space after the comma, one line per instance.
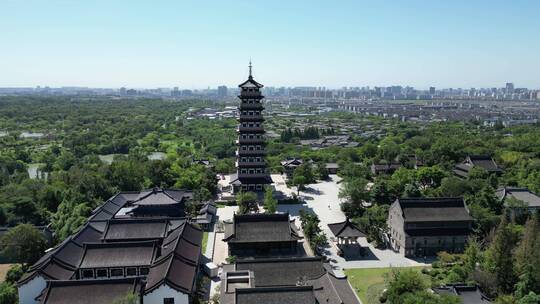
[251, 172]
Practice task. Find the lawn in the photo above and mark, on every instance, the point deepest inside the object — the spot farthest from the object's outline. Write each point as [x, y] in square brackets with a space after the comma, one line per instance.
[3, 271]
[204, 241]
[363, 278]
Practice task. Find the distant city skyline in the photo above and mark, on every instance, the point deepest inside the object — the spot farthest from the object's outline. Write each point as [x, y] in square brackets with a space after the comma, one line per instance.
[104, 44]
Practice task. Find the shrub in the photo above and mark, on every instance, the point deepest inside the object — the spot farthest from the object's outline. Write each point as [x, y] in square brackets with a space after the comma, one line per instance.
[8, 293]
[14, 273]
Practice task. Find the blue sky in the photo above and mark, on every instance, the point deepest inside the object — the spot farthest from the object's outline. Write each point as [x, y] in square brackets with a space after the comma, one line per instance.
[195, 44]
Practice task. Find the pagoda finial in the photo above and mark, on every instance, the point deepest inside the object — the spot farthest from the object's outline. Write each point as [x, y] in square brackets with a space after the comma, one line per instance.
[250, 76]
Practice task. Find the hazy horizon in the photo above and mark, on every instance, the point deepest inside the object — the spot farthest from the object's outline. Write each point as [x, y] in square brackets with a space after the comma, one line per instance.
[352, 43]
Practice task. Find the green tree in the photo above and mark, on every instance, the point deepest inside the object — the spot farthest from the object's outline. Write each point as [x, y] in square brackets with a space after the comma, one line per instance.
[373, 222]
[380, 193]
[400, 179]
[499, 257]
[430, 176]
[530, 298]
[306, 171]
[313, 233]
[471, 255]
[389, 150]
[25, 210]
[426, 297]
[478, 173]
[404, 283]
[505, 299]
[411, 190]
[527, 259]
[354, 192]
[270, 203]
[321, 171]
[23, 244]
[14, 273]
[246, 201]
[299, 181]
[453, 187]
[69, 217]
[8, 293]
[127, 174]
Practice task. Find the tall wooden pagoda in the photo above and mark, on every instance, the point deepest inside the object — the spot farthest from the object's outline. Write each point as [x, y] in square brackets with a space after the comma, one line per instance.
[251, 171]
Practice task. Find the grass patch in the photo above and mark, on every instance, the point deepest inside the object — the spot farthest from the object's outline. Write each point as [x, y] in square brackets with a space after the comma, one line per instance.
[3, 271]
[204, 241]
[362, 279]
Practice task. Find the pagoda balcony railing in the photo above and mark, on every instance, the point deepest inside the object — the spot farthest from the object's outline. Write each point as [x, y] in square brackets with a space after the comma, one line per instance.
[241, 141]
[250, 164]
[250, 152]
[251, 106]
[248, 94]
[250, 117]
[253, 175]
[250, 129]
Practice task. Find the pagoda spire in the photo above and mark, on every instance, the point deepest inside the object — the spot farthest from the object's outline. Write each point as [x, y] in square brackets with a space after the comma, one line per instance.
[250, 66]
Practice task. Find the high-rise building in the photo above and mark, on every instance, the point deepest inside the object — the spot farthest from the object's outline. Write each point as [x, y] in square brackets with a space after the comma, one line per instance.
[251, 171]
[222, 91]
[431, 90]
[509, 88]
[175, 92]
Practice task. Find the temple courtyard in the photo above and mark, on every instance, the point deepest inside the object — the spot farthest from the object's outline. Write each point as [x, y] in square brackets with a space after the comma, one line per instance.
[322, 199]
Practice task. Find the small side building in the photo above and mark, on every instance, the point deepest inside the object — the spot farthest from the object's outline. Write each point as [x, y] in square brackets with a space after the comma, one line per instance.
[531, 200]
[289, 165]
[424, 226]
[483, 161]
[346, 232]
[378, 169]
[467, 294]
[332, 168]
[262, 235]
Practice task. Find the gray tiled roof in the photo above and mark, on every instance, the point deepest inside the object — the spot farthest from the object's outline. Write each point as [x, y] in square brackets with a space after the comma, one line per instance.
[179, 261]
[105, 242]
[276, 295]
[89, 291]
[467, 294]
[281, 272]
[345, 229]
[157, 198]
[135, 229]
[521, 194]
[434, 209]
[102, 255]
[252, 228]
[484, 161]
